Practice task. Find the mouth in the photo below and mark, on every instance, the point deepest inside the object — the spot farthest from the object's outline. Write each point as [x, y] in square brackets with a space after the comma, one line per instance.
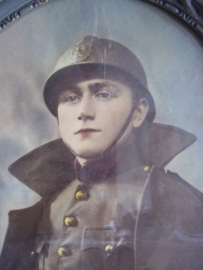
[87, 131]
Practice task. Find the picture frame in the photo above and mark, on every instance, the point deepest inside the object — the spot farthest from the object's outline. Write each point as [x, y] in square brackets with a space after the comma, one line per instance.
[189, 12]
[33, 37]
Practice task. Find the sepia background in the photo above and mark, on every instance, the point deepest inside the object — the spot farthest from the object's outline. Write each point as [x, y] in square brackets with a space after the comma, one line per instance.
[171, 54]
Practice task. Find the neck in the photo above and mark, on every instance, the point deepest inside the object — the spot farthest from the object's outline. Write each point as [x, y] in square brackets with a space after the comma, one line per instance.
[127, 152]
[122, 160]
[116, 149]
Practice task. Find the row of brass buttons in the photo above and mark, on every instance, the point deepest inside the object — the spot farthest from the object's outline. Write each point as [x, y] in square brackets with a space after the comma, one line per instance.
[71, 221]
[64, 251]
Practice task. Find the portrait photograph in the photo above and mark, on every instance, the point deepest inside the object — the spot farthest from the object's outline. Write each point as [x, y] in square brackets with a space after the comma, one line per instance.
[101, 140]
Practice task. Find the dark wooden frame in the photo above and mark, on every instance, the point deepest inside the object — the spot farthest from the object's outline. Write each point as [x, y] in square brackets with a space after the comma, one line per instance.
[189, 11]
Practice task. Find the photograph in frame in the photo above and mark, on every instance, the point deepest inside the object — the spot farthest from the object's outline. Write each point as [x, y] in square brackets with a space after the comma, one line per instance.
[101, 141]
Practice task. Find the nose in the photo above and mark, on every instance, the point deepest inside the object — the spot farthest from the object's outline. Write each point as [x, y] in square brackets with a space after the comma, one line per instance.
[86, 111]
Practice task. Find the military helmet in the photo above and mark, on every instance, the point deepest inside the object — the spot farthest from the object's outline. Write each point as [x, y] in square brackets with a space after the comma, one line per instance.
[97, 58]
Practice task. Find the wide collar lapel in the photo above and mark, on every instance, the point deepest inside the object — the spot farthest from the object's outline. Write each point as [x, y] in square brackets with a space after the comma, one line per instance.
[50, 167]
[161, 143]
[45, 169]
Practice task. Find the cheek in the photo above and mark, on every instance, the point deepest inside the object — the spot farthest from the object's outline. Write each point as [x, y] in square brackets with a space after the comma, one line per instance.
[62, 112]
[65, 115]
[64, 122]
[114, 120]
[119, 113]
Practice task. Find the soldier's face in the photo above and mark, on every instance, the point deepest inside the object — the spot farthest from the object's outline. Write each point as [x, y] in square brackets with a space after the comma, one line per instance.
[92, 113]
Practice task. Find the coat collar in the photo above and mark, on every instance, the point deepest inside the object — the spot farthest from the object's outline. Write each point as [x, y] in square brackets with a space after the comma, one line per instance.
[50, 167]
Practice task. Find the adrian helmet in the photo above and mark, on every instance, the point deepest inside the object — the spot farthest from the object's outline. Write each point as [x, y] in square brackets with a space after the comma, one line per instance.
[97, 58]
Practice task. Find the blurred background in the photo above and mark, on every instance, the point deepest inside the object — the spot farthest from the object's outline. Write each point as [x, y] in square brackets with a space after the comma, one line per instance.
[170, 52]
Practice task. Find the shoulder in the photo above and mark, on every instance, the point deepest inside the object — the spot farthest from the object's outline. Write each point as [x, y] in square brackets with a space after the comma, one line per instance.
[171, 190]
[174, 184]
[170, 202]
[177, 197]
[185, 186]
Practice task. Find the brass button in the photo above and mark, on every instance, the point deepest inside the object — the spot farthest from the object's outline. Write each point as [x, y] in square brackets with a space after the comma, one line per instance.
[70, 221]
[32, 254]
[108, 248]
[63, 251]
[81, 195]
[146, 168]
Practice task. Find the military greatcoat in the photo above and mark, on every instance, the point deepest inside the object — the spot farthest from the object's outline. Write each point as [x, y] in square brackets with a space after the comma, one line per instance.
[153, 219]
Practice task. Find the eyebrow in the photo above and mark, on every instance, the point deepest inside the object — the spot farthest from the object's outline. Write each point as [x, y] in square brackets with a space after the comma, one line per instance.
[73, 88]
[96, 87]
[76, 90]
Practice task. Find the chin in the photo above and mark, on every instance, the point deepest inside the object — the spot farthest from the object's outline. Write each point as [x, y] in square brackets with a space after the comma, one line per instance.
[88, 153]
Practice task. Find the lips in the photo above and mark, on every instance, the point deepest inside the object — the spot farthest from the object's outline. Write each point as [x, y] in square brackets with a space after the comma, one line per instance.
[86, 131]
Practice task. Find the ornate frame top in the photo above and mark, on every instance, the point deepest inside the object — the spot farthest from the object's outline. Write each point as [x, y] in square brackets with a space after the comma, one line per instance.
[189, 11]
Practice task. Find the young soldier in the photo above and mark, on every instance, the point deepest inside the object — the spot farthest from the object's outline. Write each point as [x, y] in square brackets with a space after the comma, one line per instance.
[107, 201]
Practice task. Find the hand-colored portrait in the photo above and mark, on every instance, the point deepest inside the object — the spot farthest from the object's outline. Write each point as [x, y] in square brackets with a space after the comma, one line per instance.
[101, 145]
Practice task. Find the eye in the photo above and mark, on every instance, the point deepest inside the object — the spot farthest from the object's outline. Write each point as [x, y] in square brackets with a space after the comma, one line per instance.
[71, 99]
[104, 95]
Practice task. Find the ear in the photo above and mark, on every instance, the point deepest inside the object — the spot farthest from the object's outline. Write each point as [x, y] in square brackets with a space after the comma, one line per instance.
[140, 113]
